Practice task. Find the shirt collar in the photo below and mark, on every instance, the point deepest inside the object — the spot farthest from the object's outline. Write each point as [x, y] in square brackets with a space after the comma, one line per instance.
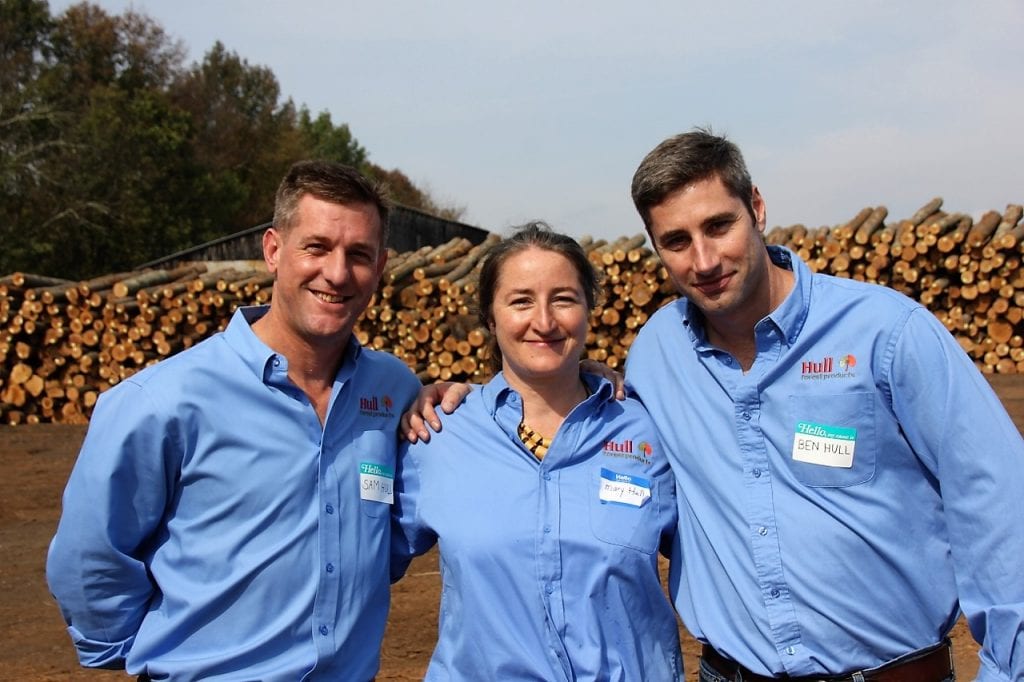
[788, 317]
[261, 358]
[497, 392]
[791, 314]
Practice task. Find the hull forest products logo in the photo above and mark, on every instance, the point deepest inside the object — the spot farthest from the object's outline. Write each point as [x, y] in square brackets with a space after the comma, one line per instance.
[828, 368]
[640, 451]
[372, 406]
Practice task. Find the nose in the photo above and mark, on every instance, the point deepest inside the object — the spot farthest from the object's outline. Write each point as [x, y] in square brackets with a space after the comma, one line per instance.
[544, 320]
[705, 256]
[336, 268]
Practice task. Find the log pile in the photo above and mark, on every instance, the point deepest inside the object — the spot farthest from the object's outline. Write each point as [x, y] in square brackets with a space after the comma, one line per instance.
[967, 272]
[63, 343]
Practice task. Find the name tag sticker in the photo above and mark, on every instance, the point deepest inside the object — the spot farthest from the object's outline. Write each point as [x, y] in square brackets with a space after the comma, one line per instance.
[631, 491]
[830, 446]
[376, 482]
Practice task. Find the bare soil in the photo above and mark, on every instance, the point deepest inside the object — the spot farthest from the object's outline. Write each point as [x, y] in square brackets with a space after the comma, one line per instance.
[34, 645]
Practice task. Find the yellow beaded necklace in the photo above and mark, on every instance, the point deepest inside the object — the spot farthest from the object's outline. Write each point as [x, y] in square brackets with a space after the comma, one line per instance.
[537, 444]
[534, 442]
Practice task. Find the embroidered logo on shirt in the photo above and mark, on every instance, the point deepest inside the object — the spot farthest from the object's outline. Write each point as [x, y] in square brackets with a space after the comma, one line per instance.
[373, 406]
[811, 370]
[624, 449]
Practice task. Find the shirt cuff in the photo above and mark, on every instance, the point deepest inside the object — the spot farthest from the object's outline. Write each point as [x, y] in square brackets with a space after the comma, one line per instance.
[96, 654]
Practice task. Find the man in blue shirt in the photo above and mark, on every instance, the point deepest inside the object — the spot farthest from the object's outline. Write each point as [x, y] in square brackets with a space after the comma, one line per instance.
[228, 515]
[849, 480]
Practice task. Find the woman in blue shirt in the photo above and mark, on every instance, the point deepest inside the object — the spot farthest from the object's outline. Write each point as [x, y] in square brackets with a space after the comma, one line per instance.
[549, 498]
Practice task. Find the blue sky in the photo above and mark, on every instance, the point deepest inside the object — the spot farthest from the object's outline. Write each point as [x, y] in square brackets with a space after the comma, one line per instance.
[542, 110]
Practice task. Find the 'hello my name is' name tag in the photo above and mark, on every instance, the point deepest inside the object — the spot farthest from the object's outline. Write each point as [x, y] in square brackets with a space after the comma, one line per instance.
[632, 491]
[376, 482]
[831, 446]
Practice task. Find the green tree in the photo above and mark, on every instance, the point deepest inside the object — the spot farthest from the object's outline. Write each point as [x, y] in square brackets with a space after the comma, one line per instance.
[404, 191]
[125, 150]
[113, 152]
[243, 137]
[28, 123]
[323, 140]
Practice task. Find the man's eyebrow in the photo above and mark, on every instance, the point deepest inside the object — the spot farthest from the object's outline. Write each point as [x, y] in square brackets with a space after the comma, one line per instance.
[719, 217]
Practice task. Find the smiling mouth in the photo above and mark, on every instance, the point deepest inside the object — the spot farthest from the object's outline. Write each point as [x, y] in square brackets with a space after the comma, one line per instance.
[328, 298]
[713, 286]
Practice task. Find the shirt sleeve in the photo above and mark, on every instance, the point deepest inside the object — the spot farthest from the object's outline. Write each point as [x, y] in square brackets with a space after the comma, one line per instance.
[113, 507]
[957, 425]
[410, 536]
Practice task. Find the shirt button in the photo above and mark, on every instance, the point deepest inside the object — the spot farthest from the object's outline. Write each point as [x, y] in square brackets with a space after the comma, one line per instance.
[324, 630]
[547, 476]
[277, 362]
[549, 589]
[746, 416]
[330, 568]
[790, 650]
[762, 531]
[757, 473]
[547, 529]
[329, 508]
[775, 593]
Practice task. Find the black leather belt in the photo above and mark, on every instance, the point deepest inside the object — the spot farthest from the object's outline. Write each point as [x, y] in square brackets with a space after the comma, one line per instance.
[932, 665]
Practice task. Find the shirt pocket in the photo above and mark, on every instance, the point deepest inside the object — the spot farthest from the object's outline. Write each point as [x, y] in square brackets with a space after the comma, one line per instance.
[832, 440]
[375, 471]
[623, 524]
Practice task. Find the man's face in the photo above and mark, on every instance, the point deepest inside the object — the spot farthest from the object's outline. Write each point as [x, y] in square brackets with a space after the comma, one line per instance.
[712, 249]
[327, 266]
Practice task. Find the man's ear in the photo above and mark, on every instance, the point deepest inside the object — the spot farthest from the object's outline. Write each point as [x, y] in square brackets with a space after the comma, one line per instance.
[760, 211]
[271, 249]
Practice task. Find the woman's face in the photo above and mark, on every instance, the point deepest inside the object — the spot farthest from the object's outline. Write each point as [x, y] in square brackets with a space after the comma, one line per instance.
[539, 316]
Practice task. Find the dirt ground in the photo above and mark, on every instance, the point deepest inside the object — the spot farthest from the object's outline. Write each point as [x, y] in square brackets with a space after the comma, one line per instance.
[34, 646]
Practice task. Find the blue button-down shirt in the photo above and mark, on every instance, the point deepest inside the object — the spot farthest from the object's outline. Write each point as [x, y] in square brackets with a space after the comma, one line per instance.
[842, 496]
[213, 529]
[542, 580]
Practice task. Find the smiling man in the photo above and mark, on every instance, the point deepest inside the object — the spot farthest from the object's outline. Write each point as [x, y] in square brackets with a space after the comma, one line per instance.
[848, 481]
[228, 515]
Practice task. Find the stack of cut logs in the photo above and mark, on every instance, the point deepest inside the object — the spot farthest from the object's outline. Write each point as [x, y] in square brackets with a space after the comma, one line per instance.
[967, 272]
[62, 343]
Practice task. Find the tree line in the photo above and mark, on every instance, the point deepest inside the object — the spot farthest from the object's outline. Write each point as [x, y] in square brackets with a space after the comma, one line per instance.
[114, 151]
